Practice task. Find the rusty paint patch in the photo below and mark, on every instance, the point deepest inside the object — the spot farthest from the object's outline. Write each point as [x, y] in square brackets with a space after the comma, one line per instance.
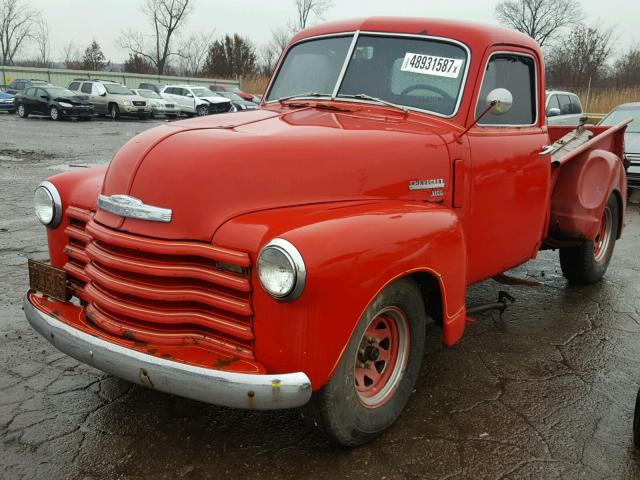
[128, 335]
[166, 355]
[225, 362]
[152, 351]
[55, 313]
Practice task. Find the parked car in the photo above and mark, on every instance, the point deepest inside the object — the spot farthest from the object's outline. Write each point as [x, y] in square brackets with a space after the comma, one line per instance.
[195, 100]
[222, 87]
[293, 255]
[636, 422]
[631, 139]
[563, 108]
[112, 99]
[159, 105]
[237, 101]
[20, 85]
[7, 103]
[56, 102]
[156, 87]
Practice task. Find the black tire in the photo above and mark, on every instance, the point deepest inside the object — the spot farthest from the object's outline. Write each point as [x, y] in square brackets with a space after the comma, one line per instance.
[54, 114]
[146, 116]
[343, 412]
[202, 111]
[23, 112]
[114, 112]
[636, 422]
[588, 262]
[173, 116]
[11, 112]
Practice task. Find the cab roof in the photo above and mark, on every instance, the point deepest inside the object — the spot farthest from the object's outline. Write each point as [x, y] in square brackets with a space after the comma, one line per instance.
[474, 35]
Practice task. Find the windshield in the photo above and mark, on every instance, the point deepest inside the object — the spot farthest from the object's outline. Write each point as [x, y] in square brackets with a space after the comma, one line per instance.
[117, 89]
[622, 113]
[202, 92]
[425, 74]
[59, 92]
[148, 94]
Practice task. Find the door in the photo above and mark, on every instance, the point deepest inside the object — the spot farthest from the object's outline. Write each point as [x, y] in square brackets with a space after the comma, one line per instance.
[509, 177]
[41, 102]
[27, 98]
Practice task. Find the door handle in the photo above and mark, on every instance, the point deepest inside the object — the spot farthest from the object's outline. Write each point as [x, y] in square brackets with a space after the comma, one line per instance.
[547, 149]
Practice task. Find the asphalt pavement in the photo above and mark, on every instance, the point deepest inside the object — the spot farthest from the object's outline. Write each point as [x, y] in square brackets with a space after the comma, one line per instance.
[545, 392]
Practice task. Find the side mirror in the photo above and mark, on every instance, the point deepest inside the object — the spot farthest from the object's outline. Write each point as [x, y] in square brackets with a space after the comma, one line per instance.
[501, 99]
[44, 97]
[189, 95]
[553, 112]
[103, 94]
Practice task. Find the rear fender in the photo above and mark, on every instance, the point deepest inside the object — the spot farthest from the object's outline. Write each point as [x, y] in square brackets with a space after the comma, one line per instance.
[351, 252]
[582, 188]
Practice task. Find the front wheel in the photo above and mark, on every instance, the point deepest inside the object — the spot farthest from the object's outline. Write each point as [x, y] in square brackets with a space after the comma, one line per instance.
[377, 372]
[54, 113]
[588, 262]
[202, 110]
[114, 111]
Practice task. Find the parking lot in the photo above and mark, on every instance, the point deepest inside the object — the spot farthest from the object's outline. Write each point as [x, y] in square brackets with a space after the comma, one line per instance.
[546, 391]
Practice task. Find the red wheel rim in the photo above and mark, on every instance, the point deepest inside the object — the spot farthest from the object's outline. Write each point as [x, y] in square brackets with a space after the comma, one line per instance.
[603, 238]
[382, 357]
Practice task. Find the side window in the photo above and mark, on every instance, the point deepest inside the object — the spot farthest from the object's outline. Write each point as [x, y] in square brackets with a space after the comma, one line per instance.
[168, 90]
[74, 86]
[41, 93]
[86, 88]
[30, 92]
[20, 86]
[565, 104]
[516, 73]
[576, 106]
[553, 103]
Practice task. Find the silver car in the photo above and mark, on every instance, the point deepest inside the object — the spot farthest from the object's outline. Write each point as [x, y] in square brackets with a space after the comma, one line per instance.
[159, 105]
[563, 108]
[112, 99]
[196, 100]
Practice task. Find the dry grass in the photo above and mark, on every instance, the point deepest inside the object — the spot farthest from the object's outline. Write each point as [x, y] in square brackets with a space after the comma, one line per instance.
[603, 100]
[255, 84]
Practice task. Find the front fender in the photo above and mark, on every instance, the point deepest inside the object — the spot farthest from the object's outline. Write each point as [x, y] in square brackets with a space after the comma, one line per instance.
[352, 250]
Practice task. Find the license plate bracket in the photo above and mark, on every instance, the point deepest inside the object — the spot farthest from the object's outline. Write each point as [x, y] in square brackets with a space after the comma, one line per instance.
[49, 280]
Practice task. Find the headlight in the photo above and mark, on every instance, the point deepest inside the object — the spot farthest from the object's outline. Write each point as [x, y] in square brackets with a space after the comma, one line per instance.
[125, 102]
[281, 270]
[65, 105]
[48, 205]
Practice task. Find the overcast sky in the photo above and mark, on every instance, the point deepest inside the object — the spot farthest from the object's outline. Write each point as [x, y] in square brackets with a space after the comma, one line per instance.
[82, 21]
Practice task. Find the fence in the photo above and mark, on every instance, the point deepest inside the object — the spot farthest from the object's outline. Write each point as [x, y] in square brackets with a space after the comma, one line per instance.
[62, 77]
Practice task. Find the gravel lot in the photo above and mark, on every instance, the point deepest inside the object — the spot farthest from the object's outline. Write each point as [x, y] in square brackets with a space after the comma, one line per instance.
[545, 392]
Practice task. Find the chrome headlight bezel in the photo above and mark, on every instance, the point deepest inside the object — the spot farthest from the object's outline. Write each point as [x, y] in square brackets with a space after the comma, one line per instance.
[293, 257]
[56, 204]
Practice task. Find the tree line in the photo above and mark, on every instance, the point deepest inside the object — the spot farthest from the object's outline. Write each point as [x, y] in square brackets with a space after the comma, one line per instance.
[578, 53]
[162, 49]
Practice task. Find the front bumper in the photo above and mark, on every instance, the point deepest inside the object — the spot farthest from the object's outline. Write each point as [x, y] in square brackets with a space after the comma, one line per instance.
[230, 389]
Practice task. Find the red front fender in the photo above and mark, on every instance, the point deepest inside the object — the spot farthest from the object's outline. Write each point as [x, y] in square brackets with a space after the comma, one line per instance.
[351, 252]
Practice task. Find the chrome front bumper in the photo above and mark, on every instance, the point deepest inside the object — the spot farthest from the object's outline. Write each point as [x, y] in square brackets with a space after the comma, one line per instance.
[238, 390]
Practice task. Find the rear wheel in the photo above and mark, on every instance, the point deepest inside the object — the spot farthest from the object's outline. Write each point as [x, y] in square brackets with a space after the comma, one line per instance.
[22, 111]
[588, 262]
[377, 372]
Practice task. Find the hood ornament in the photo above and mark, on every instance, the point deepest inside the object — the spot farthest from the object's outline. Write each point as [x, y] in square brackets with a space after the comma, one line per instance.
[131, 207]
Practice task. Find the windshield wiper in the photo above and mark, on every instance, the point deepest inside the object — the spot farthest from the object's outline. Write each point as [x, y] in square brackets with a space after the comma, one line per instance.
[364, 96]
[302, 95]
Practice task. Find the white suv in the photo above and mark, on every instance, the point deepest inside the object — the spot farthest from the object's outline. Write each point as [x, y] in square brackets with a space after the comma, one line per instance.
[195, 100]
[563, 108]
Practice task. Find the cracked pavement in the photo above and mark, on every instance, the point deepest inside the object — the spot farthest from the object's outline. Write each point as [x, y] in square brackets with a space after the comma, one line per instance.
[546, 391]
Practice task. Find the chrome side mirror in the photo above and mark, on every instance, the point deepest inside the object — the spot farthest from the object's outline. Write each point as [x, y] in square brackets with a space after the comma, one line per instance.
[501, 100]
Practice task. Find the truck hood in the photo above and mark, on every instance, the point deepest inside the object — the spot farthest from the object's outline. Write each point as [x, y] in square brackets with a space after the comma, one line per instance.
[211, 169]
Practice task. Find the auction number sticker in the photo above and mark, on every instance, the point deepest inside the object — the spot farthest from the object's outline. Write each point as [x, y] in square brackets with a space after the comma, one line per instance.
[432, 65]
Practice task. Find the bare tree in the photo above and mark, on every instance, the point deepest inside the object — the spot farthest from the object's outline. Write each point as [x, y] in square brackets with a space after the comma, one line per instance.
[270, 53]
[627, 68]
[43, 43]
[581, 58]
[193, 53]
[542, 20]
[72, 56]
[17, 24]
[304, 9]
[166, 17]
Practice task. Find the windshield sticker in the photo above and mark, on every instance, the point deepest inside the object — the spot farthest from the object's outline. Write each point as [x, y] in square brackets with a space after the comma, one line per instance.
[431, 65]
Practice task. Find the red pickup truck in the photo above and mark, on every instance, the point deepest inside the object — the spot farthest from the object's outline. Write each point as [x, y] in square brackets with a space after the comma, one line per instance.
[293, 255]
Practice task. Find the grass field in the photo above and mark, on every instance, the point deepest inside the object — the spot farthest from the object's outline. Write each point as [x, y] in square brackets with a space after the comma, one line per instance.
[600, 101]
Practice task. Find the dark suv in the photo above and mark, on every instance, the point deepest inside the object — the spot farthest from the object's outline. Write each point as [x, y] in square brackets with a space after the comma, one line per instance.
[19, 86]
[156, 87]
